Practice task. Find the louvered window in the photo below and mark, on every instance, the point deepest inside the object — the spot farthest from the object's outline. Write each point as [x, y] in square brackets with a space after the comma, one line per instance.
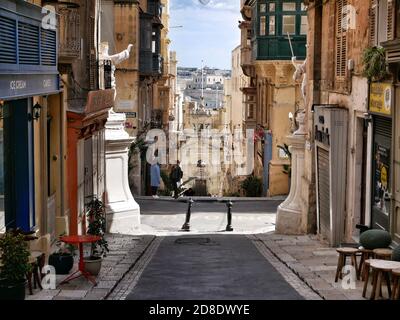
[49, 47]
[92, 55]
[390, 19]
[8, 46]
[341, 39]
[28, 44]
[372, 22]
[381, 21]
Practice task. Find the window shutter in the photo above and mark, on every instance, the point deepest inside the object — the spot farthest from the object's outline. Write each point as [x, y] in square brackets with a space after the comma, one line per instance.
[341, 40]
[390, 20]
[372, 22]
[92, 55]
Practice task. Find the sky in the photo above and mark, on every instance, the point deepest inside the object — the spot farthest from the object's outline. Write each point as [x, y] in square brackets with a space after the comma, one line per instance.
[210, 31]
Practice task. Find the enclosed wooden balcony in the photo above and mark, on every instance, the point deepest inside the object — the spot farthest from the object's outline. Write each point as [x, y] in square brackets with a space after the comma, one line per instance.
[70, 38]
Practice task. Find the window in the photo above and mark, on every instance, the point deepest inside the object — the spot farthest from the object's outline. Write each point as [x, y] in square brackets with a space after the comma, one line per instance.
[271, 27]
[288, 24]
[381, 21]
[289, 6]
[263, 8]
[341, 40]
[250, 113]
[304, 25]
[262, 25]
[272, 7]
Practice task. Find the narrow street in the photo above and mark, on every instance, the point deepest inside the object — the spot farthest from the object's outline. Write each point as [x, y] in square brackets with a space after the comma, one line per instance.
[208, 268]
[209, 263]
[166, 216]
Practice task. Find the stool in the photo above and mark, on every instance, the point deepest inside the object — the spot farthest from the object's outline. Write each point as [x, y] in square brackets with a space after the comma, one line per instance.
[396, 284]
[365, 255]
[383, 254]
[365, 276]
[37, 262]
[343, 254]
[380, 269]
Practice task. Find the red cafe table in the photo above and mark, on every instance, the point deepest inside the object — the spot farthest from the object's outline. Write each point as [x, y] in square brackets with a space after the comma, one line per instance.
[80, 240]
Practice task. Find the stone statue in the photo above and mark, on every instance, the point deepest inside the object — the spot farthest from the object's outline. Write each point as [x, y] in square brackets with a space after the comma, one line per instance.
[300, 74]
[115, 60]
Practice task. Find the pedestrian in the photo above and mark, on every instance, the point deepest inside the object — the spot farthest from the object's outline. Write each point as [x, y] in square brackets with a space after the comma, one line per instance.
[155, 177]
[175, 177]
[189, 192]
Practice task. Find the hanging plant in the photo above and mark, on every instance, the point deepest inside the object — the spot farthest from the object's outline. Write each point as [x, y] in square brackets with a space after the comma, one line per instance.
[375, 65]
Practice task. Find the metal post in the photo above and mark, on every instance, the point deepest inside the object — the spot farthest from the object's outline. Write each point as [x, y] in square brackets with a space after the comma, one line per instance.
[229, 204]
[186, 226]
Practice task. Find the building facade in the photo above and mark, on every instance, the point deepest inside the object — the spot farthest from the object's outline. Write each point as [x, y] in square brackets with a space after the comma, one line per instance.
[31, 122]
[350, 175]
[272, 33]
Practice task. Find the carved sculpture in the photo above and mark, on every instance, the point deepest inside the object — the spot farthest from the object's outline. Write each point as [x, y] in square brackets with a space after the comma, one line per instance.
[300, 74]
[115, 60]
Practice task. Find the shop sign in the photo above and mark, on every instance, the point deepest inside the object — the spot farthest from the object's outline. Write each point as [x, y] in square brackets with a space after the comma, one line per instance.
[131, 115]
[99, 100]
[16, 86]
[381, 98]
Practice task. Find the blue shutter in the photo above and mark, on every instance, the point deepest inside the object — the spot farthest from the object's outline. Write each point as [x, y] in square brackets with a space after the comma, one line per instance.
[8, 46]
[28, 44]
[48, 47]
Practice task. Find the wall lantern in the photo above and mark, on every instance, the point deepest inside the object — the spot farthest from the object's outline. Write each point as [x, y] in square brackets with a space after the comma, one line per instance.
[36, 110]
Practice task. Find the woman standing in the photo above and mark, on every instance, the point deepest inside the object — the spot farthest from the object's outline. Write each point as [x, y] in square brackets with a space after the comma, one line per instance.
[155, 177]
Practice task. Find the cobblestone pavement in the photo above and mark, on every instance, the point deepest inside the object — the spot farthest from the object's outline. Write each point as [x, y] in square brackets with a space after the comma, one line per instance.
[313, 261]
[125, 252]
[303, 262]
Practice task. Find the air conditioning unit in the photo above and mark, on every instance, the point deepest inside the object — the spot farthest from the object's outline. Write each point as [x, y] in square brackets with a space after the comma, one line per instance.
[330, 129]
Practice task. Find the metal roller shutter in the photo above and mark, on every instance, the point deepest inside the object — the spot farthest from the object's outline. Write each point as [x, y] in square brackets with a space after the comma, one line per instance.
[324, 191]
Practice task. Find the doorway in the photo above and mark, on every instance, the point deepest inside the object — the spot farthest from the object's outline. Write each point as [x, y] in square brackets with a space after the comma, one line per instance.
[381, 199]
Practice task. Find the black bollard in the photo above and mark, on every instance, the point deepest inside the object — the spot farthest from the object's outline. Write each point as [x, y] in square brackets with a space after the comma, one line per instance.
[186, 226]
[229, 204]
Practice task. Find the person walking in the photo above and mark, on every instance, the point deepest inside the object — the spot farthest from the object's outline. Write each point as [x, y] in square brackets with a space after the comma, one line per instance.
[155, 177]
[176, 176]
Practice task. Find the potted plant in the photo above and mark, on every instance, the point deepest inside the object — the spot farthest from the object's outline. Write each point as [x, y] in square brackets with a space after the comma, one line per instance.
[96, 227]
[14, 265]
[252, 186]
[375, 64]
[63, 259]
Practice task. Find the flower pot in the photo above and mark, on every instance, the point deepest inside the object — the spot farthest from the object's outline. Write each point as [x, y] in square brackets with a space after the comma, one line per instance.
[93, 265]
[63, 263]
[12, 291]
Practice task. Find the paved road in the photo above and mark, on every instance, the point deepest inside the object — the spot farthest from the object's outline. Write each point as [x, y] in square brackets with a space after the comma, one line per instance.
[154, 206]
[210, 267]
[161, 217]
